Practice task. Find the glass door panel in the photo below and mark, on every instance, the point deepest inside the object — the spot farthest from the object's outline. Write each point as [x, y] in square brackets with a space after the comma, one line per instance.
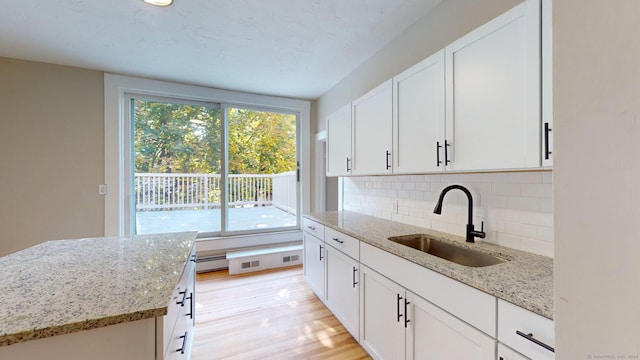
[177, 165]
[262, 185]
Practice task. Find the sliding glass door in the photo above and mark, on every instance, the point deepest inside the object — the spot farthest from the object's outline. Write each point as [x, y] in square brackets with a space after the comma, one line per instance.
[214, 169]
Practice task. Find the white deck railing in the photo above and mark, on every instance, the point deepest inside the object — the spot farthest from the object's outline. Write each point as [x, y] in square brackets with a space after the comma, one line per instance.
[203, 191]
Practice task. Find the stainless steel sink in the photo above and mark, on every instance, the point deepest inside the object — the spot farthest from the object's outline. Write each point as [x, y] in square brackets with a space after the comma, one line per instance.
[444, 250]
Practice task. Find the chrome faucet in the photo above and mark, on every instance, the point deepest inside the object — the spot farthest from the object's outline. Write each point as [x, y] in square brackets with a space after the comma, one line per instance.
[471, 231]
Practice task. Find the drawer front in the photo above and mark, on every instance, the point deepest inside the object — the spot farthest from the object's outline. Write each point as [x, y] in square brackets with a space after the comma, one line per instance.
[313, 227]
[345, 243]
[513, 319]
[180, 311]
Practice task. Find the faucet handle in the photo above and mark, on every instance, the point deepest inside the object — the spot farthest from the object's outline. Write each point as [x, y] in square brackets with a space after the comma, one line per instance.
[481, 233]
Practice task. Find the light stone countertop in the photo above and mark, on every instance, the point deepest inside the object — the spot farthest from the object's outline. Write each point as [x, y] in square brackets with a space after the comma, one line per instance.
[64, 286]
[525, 280]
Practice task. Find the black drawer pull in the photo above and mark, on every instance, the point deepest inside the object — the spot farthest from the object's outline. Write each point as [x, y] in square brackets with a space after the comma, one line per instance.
[184, 342]
[321, 252]
[546, 141]
[398, 306]
[312, 228]
[438, 146]
[338, 240]
[194, 257]
[388, 162]
[354, 277]
[184, 297]
[446, 153]
[190, 314]
[406, 316]
[530, 337]
[348, 168]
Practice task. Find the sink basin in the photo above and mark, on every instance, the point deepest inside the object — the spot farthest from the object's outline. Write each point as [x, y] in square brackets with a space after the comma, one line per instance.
[444, 250]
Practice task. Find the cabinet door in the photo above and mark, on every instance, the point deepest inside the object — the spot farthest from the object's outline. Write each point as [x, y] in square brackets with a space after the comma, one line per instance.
[372, 140]
[418, 117]
[493, 93]
[314, 253]
[339, 142]
[435, 334]
[507, 353]
[342, 290]
[382, 331]
[547, 85]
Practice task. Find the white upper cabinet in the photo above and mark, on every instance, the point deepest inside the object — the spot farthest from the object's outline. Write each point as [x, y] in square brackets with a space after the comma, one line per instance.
[372, 140]
[547, 87]
[339, 142]
[493, 93]
[418, 117]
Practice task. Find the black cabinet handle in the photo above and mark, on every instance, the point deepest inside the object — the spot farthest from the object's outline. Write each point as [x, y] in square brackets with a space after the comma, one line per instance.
[312, 228]
[446, 153]
[184, 297]
[438, 146]
[398, 306]
[338, 240]
[190, 314]
[406, 317]
[547, 130]
[194, 257]
[184, 342]
[354, 277]
[348, 161]
[321, 252]
[530, 337]
[387, 158]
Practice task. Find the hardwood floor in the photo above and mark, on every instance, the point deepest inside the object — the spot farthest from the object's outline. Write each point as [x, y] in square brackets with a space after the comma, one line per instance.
[271, 314]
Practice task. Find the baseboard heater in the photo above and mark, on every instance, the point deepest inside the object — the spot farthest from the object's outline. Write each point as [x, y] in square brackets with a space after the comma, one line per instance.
[241, 261]
[211, 263]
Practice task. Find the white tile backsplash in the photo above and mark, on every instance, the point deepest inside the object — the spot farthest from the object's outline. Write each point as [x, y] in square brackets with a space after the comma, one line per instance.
[516, 207]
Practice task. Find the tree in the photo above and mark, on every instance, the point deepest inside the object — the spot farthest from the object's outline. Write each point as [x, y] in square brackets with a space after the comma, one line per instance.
[182, 138]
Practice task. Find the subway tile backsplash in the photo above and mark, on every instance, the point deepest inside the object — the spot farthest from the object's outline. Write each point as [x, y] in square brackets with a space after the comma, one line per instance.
[516, 207]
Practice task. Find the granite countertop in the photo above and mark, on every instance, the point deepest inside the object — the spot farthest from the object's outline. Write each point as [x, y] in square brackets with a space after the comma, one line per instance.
[525, 280]
[64, 286]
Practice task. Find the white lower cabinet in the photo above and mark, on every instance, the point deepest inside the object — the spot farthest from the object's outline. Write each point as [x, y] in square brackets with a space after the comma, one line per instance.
[507, 353]
[397, 324]
[314, 264]
[382, 329]
[527, 333]
[342, 289]
[435, 334]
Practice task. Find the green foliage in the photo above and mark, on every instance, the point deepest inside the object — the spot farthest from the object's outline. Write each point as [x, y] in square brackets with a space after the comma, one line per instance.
[179, 138]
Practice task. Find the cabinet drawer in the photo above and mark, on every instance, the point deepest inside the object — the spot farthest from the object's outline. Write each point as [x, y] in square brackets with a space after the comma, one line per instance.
[513, 319]
[180, 310]
[313, 227]
[342, 242]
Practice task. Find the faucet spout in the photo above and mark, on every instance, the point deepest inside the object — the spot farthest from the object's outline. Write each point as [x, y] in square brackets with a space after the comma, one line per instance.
[471, 231]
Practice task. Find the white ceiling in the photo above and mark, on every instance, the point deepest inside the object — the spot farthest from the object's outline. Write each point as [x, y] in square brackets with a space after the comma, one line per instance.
[294, 48]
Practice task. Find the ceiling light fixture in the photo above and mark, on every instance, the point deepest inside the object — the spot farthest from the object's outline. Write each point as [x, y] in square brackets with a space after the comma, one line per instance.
[159, 2]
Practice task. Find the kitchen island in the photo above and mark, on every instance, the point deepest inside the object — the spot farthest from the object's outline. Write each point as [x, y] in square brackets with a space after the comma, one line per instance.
[107, 297]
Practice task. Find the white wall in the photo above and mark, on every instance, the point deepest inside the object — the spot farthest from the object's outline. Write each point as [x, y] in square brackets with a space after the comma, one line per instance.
[597, 178]
[516, 208]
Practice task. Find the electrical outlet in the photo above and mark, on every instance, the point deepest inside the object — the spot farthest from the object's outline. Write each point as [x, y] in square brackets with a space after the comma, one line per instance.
[102, 189]
[394, 207]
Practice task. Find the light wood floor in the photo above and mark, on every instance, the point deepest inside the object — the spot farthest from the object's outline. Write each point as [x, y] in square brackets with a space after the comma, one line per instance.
[266, 315]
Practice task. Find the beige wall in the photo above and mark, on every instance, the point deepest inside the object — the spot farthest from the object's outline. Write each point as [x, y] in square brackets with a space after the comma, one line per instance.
[52, 146]
[447, 22]
[597, 178]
